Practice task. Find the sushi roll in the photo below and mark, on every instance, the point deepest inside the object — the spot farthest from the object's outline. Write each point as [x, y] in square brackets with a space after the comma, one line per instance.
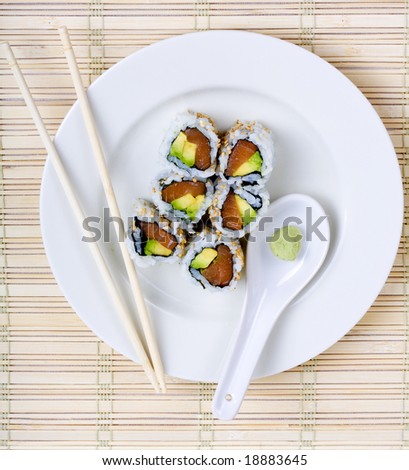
[237, 210]
[152, 238]
[191, 145]
[214, 263]
[182, 197]
[246, 155]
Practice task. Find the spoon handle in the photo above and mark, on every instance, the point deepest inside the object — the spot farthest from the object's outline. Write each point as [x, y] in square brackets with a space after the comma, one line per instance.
[242, 360]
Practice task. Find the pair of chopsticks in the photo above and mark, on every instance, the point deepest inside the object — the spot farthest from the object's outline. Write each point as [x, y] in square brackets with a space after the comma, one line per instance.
[152, 366]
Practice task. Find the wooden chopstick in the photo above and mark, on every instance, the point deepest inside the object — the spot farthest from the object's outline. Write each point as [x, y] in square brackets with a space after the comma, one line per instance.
[123, 311]
[113, 205]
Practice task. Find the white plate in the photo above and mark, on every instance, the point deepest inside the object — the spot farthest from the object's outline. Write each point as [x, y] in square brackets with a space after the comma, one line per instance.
[330, 144]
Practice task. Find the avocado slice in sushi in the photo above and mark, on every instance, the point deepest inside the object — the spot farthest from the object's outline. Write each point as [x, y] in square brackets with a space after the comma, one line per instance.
[219, 273]
[247, 213]
[237, 212]
[192, 148]
[244, 159]
[188, 204]
[189, 154]
[153, 247]
[185, 196]
[183, 150]
[191, 211]
[155, 240]
[176, 149]
[184, 202]
[252, 165]
[204, 258]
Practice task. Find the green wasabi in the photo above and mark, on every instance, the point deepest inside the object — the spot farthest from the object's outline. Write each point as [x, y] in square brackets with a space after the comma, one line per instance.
[286, 242]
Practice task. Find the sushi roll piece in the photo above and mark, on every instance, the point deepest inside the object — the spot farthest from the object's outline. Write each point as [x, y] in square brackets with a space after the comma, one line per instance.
[247, 154]
[214, 263]
[236, 210]
[191, 144]
[182, 197]
[152, 238]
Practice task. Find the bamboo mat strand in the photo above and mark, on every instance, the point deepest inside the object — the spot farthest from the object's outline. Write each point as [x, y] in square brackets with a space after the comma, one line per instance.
[4, 330]
[60, 386]
[405, 381]
[308, 374]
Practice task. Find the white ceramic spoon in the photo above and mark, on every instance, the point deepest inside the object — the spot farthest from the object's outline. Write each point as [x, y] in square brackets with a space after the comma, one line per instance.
[272, 284]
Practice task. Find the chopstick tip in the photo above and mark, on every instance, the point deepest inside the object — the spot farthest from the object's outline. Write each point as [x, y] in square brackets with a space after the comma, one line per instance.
[8, 52]
[65, 37]
[163, 388]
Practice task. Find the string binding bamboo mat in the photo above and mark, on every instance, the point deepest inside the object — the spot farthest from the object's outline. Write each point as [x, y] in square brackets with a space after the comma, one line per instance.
[60, 386]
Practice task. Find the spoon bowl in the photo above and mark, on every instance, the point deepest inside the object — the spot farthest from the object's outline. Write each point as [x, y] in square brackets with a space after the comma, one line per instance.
[272, 283]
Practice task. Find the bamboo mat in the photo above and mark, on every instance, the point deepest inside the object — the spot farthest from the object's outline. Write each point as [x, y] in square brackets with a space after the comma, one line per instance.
[60, 386]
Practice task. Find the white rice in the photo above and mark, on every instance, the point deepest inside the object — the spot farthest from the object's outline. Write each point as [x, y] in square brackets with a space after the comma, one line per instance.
[166, 209]
[258, 199]
[145, 211]
[261, 137]
[181, 122]
[208, 239]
